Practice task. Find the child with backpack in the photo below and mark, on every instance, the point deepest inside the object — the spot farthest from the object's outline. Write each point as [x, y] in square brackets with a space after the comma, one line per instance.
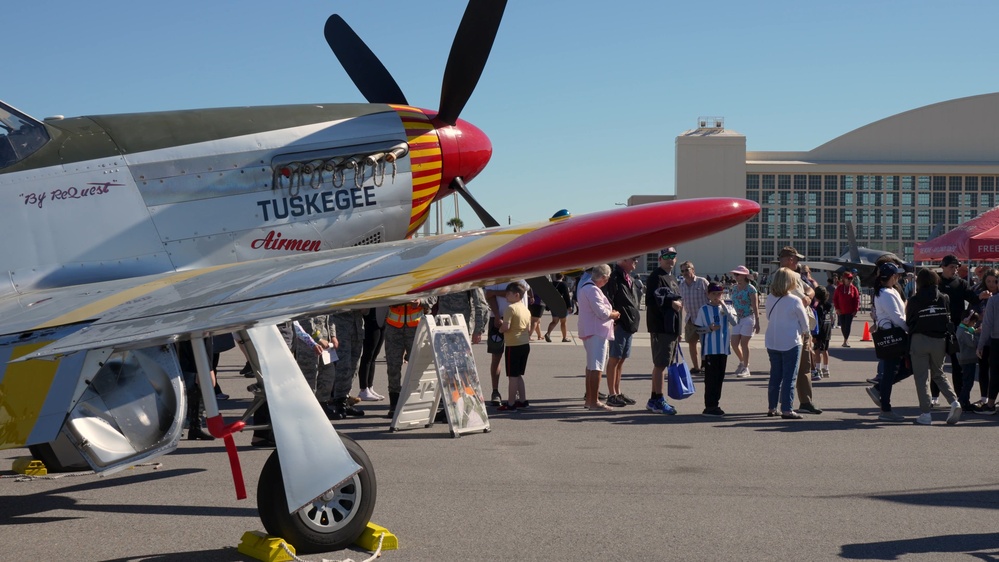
[822, 333]
[967, 356]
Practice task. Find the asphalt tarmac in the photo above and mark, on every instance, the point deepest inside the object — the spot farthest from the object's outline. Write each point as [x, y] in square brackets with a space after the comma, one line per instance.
[557, 482]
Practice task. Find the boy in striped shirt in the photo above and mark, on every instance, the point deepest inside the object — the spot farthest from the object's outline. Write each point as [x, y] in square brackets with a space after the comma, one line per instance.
[713, 322]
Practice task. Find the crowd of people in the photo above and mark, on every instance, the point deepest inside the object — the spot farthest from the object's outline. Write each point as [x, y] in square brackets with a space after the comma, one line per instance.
[941, 317]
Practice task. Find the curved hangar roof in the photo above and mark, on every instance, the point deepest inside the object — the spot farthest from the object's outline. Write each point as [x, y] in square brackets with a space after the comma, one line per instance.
[961, 130]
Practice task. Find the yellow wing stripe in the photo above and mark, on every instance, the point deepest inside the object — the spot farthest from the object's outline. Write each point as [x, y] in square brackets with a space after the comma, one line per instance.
[22, 394]
[96, 308]
[445, 263]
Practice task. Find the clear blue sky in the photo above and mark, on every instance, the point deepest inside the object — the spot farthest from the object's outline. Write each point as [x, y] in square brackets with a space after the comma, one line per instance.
[581, 99]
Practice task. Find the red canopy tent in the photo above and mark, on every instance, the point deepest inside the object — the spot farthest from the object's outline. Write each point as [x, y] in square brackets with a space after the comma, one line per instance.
[975, 239]
[985, 245]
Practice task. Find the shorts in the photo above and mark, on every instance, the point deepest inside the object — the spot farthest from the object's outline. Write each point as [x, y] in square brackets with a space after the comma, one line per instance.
[620, 348]
[690, 334]
[555, 315]
[745, 327]
[516, 359]
[494, 339]
[663, 348]
[536, 310]
[820, 344]
[596, 353]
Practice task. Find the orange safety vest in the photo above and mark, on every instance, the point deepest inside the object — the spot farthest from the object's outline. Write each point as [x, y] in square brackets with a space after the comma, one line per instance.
[404, 315]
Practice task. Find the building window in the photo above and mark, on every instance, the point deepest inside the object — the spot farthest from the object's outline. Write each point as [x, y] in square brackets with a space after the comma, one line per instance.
[831, 182]
[752, 247]
[767, 248]
[752, 181]
[939, 198]
[923, 183]
[954, 183]
[752, 231]
[829, 231]
[829, 198]
[970, 200]
[800, 182]
[814, 249]
[784, 182]
[908, 182]
[988, 184]
[971, 183]
[939, 183]
[814, 183]
[846, 199]
[954, 217]
[924, 199]
[768, 181]
[847, 183]
[955, 198]
[987, 201]
[831, 251]
[938, 217]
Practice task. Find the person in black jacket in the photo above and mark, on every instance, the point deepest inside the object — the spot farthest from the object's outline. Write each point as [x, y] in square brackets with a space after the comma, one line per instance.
[622, 292]
[563, 291]
[928, 316]
[663, 310]
[957, 289]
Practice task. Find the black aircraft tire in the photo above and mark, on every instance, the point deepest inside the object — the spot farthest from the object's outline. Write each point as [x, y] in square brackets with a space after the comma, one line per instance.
[332, 522]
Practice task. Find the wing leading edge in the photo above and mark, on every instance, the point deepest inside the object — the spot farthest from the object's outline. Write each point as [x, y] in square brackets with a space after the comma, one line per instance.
[146, 311]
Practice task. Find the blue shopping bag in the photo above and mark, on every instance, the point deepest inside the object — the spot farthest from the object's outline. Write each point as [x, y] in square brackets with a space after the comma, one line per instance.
[679, 383]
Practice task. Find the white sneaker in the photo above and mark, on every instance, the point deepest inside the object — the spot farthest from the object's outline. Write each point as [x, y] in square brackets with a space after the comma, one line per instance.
[743, 373]
[368, 395]
[924, 419]
[955, 413]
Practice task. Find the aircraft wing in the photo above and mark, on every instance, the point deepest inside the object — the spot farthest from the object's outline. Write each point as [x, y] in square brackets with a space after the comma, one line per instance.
[152, 310]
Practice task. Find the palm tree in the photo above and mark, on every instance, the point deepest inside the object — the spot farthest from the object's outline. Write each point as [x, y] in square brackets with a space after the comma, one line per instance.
[456, 224]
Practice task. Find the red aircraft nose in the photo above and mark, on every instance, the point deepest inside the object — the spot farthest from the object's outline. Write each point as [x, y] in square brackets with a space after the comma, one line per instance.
[465, 151]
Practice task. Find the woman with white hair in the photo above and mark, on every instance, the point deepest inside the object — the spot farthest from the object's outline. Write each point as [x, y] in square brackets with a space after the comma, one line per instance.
[596, 328]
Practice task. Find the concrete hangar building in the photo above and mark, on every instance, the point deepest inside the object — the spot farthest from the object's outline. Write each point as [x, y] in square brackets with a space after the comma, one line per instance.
[895, 179]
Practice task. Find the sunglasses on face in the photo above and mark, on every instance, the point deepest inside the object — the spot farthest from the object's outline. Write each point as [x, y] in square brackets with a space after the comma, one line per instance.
[668, 256]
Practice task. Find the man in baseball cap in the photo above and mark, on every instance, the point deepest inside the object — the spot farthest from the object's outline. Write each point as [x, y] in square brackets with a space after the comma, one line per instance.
[789, 251]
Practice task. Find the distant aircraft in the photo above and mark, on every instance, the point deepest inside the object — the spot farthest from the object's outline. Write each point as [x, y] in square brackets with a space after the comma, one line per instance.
[127, 233]
[857, 260]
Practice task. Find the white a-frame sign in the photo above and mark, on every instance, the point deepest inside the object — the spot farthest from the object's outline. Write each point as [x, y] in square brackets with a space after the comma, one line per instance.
[441, 366]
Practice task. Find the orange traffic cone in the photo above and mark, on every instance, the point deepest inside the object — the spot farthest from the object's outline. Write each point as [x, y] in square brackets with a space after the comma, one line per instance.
[867, 332]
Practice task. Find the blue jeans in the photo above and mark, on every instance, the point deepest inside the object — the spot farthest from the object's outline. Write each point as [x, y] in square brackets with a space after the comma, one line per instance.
[783, 372]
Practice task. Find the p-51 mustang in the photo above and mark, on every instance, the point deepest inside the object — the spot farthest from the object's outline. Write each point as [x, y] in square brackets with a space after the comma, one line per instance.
[138, 231]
